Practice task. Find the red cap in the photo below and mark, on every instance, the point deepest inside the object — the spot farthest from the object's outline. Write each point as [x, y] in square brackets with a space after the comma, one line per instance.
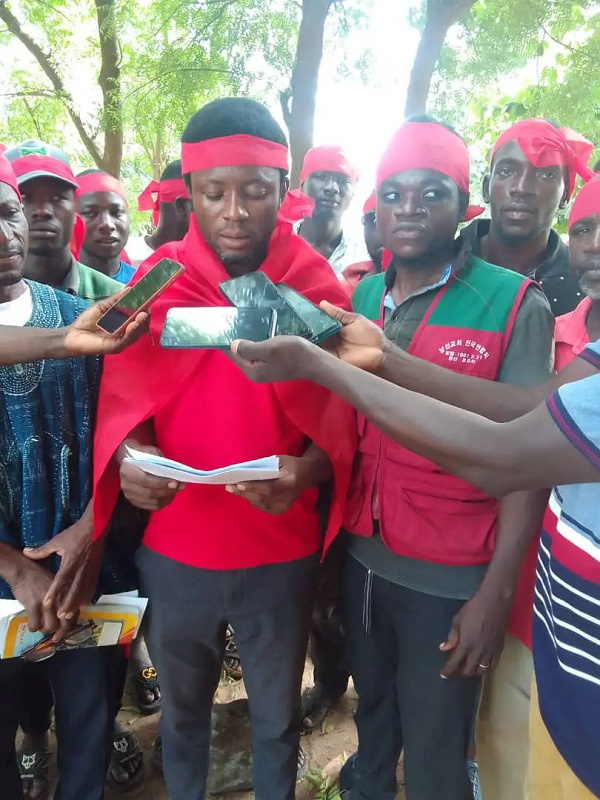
[34, 159]
[328, 158]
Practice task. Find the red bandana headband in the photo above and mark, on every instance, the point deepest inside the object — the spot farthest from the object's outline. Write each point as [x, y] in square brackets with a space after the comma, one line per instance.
[545, 146]
[587, 202]
[428, 145]
[239, 150]
[99, 182]
[158, 192]
[7, 173]
[327, 158]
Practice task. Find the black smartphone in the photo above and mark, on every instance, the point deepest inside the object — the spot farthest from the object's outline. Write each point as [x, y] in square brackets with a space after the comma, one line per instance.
[322, 326]
[140, 296]
[216, 326]
[255, 290]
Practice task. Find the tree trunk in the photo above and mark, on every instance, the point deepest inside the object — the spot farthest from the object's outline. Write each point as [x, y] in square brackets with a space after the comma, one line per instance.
[109, 80]
[298, 101]
[441, 15]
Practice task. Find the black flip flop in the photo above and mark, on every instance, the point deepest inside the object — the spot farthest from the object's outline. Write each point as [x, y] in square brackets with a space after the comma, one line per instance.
[34, 767]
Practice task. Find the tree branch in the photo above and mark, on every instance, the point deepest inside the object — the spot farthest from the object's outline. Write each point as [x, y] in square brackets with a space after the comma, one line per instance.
[46, 63]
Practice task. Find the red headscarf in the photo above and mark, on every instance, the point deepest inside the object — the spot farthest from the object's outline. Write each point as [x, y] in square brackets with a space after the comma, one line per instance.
[99, 182]
[370, 206]
[158, 192]
[7, 173]
[587, 202]
[546, 146]
[428, 145]
[328, 158]
[154, 376]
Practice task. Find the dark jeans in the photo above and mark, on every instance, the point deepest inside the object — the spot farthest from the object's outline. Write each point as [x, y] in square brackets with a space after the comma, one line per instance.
[327, 634]
[82, 685]
[394, 636]
[269, 608]
[37, 699]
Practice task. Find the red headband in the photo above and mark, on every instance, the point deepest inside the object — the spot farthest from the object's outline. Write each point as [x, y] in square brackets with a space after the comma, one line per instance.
[99, 182]
[587, 202]
[428, 145]
[233, 151]
[7, 174]
[545, 146]
[327, 158]
[370, 206]
[156, 192]
[38, 163]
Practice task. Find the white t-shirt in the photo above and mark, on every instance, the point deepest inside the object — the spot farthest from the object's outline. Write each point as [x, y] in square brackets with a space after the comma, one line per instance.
[19, 311]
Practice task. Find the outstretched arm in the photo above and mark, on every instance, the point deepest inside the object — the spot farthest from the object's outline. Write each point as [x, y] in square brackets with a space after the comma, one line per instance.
[362, 344]
[528, 453]
[81, 338]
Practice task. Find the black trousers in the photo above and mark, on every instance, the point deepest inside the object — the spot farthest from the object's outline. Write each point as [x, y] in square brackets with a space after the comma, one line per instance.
[37, 699]
[269, 608]
[394, 636]
[82, 685]
[327, 634]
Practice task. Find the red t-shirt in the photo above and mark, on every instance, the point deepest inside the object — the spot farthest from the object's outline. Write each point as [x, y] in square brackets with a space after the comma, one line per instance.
[226, 531]
[571, 338]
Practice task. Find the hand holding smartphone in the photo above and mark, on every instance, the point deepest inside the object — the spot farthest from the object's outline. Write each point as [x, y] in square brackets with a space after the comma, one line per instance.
[255, 290]
[140, 296]
[216, 327]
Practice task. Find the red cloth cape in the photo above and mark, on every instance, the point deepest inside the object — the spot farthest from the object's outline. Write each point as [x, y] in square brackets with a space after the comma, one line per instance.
[137, 383]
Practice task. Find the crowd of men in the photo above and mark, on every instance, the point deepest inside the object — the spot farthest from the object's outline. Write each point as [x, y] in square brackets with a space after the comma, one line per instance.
[433, 532]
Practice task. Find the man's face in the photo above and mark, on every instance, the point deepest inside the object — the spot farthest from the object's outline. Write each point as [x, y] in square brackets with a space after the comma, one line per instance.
[418, 212]
[49, 207]
[13, 237]
[236, 211]
[584, 249]
[373, 239]
[183, 211]
[523, 199]
[332, 193]
[106, 220]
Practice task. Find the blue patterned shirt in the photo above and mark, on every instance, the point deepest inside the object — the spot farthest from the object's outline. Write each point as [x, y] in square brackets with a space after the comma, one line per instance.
[47, 409]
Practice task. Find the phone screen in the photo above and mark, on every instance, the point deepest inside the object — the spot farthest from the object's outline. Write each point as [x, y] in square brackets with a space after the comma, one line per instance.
[152, 282]
[216, 327]
[255, 290]
[321, 324]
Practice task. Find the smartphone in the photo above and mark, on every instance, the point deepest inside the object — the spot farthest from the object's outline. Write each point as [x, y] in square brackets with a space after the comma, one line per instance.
[216, 327]
[321, 325]
[255, 290]
[140, 296]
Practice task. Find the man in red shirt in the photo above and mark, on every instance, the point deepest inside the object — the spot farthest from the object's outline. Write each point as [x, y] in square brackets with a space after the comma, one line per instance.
[246, 557]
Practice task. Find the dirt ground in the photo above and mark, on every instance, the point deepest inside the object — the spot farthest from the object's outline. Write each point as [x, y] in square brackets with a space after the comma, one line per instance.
[326, 748]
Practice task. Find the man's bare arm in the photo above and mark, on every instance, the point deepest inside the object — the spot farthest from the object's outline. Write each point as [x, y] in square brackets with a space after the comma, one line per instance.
[497, 401]
[362, 344]
[500, 458]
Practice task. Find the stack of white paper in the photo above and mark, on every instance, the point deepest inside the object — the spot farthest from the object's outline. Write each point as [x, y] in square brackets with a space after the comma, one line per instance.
[261, 469]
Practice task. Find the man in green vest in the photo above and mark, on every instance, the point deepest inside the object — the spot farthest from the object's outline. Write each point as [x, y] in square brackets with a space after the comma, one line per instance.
[425, 549]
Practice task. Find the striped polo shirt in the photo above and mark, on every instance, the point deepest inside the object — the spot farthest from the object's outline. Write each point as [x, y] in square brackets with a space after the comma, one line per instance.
[566, 629]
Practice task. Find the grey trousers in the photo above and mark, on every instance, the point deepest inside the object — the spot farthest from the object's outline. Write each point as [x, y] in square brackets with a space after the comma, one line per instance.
[270, 608]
